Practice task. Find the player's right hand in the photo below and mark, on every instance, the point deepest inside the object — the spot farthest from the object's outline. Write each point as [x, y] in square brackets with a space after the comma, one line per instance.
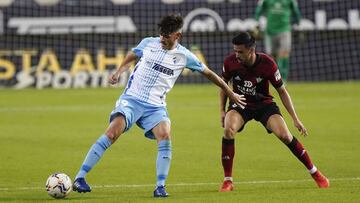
[300, 126]
[114, 78]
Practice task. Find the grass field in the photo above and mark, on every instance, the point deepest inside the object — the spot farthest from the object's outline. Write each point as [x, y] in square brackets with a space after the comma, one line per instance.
[47, 131]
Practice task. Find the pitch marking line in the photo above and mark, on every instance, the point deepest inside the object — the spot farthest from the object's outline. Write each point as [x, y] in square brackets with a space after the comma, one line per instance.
[192, 184]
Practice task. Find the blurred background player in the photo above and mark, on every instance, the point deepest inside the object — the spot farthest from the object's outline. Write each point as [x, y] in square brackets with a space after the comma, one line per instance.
[161, 60]
[250, 73]
[279, 15]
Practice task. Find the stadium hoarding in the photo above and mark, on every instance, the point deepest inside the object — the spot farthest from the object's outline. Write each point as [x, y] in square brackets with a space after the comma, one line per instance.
[199, 16]
[78, 43]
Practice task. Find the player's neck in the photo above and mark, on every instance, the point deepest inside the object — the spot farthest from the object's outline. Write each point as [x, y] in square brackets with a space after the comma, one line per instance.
[251, 60]
[173, 46]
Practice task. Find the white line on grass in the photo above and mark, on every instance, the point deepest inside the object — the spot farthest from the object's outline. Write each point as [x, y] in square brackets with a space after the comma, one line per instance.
[191, 184]
[54, 108]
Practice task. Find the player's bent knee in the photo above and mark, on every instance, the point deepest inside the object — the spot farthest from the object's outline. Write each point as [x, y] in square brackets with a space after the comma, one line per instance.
[113, 133]
[286, 138]
[164, 136]
[229, 133]
[116, 128]
[112, 136]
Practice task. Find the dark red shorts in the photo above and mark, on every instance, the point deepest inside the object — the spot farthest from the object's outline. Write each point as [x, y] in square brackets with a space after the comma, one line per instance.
[261, 113]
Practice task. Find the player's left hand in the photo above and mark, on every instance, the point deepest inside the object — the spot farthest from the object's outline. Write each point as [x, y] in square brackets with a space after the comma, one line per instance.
[238, 99]
[301, 128]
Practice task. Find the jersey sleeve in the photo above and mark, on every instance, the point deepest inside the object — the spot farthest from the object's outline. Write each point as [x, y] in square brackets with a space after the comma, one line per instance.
[138, 50]
[274, 75]
[225, 71]
[193, 63]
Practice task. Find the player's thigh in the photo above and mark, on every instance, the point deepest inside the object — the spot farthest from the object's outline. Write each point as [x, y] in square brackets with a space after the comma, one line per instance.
[232, 123]
[126, 112]
[155, 118]
[162, 131]
[277, 125]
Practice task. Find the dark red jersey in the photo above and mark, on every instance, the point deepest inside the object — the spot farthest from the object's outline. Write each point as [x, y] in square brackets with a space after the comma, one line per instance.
[253, 82]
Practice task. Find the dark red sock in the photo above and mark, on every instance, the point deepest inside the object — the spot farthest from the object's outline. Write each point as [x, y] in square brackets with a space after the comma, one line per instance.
[298, 150]
[227, 156]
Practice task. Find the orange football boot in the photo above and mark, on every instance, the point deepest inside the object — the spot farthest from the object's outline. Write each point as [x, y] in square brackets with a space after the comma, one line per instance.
[320, 179]
[227, 186]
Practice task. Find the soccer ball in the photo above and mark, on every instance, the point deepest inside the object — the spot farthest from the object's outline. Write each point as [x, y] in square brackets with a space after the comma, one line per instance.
[58, 185]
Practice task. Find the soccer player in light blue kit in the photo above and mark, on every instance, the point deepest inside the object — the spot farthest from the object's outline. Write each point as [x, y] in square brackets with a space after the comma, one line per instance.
[161, 60]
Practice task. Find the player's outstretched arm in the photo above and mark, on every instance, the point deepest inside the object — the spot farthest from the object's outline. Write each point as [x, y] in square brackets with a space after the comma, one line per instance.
[238, 99]
[125, 65]
[287, 102]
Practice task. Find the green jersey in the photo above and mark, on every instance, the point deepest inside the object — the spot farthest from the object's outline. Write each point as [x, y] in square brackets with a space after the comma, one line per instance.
[279, 14]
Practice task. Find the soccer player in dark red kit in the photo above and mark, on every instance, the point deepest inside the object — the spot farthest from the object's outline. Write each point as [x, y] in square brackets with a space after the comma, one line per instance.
[250, 73]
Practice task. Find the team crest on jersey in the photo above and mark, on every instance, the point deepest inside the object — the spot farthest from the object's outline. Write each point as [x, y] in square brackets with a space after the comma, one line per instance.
[277, 75]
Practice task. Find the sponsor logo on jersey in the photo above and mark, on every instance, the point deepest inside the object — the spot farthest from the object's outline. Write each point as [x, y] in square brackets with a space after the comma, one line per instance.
[251, 90]
[277, 75]
[248, 83]
[163, 69]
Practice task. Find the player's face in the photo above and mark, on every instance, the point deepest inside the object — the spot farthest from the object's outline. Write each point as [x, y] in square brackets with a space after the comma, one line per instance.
[243, 53]
[169, 41]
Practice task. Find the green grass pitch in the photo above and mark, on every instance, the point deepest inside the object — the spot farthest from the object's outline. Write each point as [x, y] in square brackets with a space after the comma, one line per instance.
[47, 131]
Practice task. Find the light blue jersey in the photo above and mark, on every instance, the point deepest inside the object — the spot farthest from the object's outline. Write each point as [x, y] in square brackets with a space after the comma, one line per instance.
[157, 70]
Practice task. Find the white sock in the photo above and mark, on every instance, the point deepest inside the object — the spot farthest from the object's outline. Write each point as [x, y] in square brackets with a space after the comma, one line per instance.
[313, 170]
[228, 178]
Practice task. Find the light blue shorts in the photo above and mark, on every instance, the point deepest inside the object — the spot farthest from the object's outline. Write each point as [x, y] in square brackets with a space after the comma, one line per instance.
[146, 115]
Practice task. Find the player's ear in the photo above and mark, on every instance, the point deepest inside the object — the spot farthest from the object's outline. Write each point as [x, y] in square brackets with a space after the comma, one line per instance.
[252, 49]
[179, 35]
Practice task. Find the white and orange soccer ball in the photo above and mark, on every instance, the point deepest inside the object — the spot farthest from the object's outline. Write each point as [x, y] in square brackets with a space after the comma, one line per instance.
[58, 185]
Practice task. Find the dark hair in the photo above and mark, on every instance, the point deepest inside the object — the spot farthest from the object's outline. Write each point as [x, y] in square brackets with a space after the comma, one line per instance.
[170, 23]
[244, 38]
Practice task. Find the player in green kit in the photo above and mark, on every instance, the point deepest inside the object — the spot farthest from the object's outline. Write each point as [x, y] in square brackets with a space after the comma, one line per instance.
[280, 15]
